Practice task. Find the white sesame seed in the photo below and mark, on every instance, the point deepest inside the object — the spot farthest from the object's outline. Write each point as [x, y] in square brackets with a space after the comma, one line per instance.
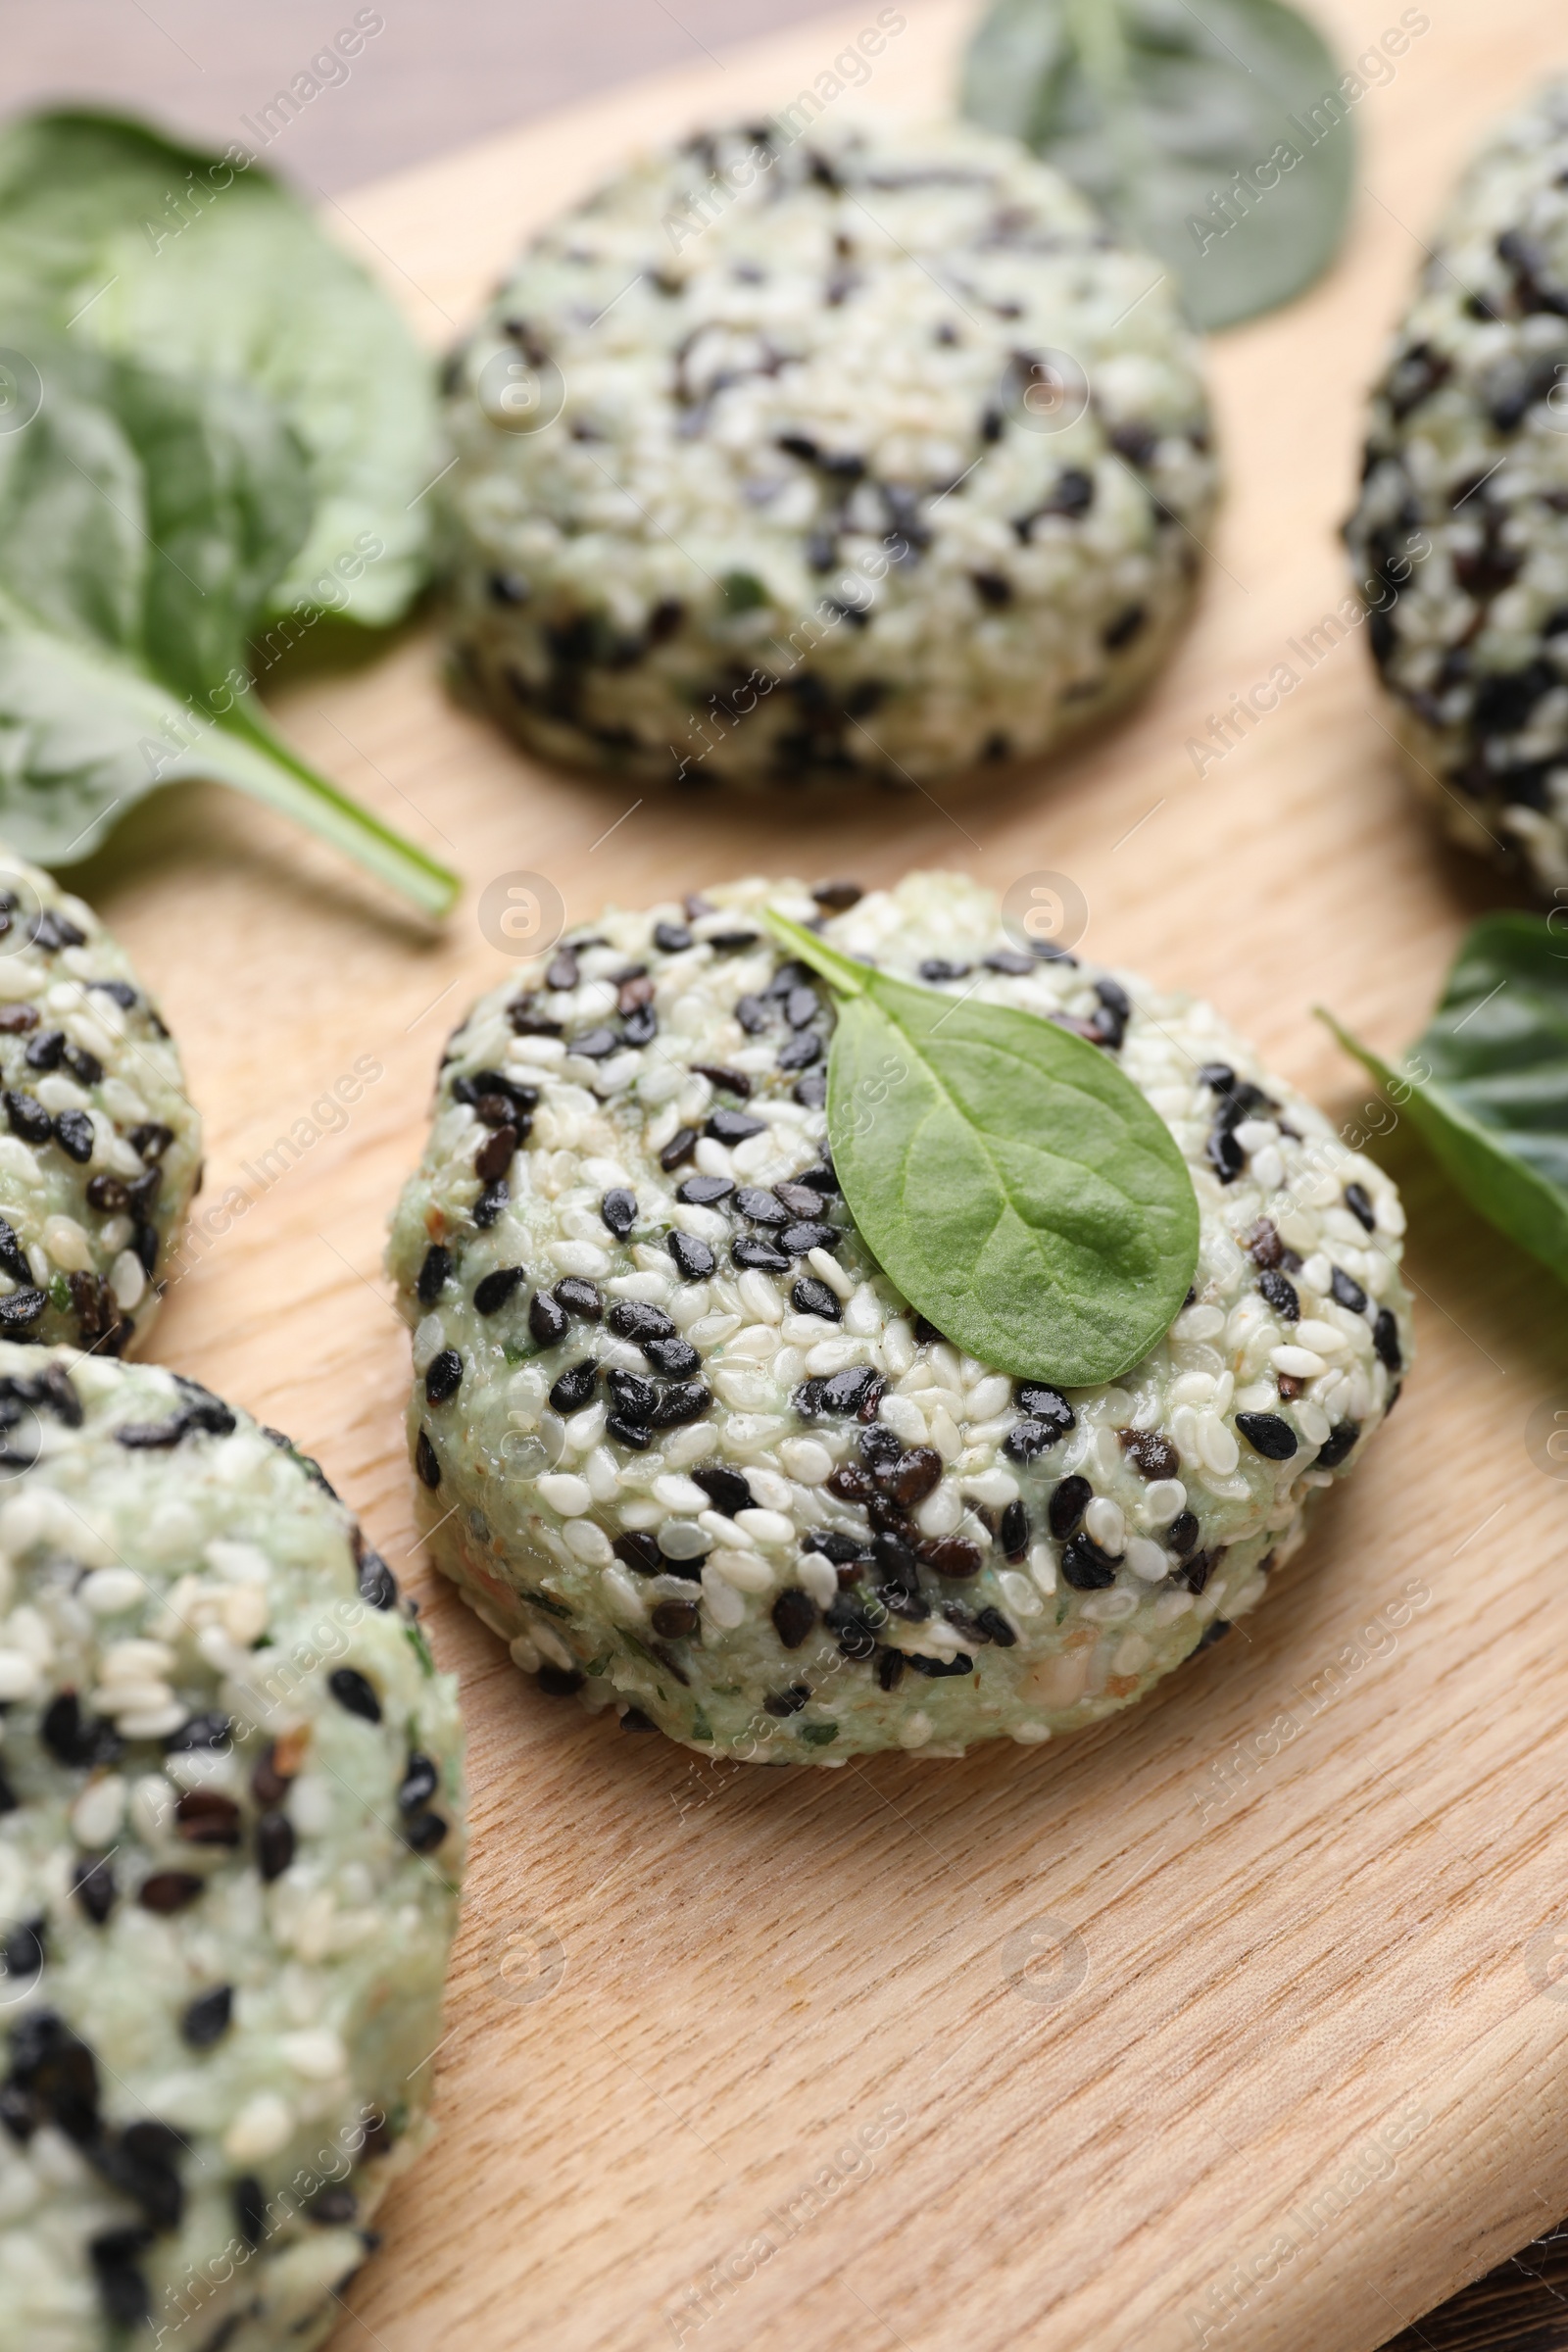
[818, 1578]
[904, 1418]
[915, 1729]
[1299, 1362]
[747, 1571]
[1163, 1498]
[588, 1543]
[563, 1492]
[765, 1527]
[1324, 1339]
[1147, 1559]
[19, 1675]
[827, 1270]
[1216, 1445]
[1019, 1594]
[722, 1602]
[156, 1724]
[805, 1459]
[317, 2054]
[1103, 1522]
[263, 2125]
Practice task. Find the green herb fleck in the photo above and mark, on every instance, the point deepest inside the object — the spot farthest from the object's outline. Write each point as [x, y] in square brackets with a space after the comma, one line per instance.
[819, 1734]
[415, 1637]
[743, 592]
[701, 1728]
[1006, 1175]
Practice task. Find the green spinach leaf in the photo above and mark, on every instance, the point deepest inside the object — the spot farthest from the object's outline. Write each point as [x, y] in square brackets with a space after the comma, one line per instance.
[1016, 1187]
[143, 520]
[202, 265]
[1215, 133]
[1487, 1084]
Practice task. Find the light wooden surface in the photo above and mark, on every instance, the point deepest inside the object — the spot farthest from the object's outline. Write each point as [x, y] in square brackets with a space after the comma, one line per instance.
[681, 1990]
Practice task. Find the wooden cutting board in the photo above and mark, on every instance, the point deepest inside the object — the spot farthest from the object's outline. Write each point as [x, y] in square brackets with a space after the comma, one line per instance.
[1248, 1992]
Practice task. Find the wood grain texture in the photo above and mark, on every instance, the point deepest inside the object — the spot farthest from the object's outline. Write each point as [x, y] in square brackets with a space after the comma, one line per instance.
[1038, 2047]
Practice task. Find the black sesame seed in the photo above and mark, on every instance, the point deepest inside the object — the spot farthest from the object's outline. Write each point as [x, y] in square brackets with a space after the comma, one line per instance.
[354, 1691]
[44, 1051]
[639, 1027]
[425, 1461]
[92, 1882]
[1182, 1532]
[1016, 1530]
[580, 1297]
[679, 1147]
[801, 1052]
[811, 1091]
[836, 898]
[674, 1620]
[274, 1846]
[122, 2289]
[433, 1276]
[444, 1377]
[733, 1126]
[703, 1192]
[637, 1551]
[889, 1669]
[633, 1395]
[677, 1358]
[27, 1117]
[760, 1207]
[936, 1669]
[786, 1702]
[169, 1890]
[54, 930]
[1340, 1442]
[631, 1319]
[151, 1139]
[421, 1780]
[576, 1386]
[812, 1298]
[200, 1735]
[801, 1239]
[490, 1203]
[18, 1308]
[1069, 1503]
[693, 1259]
[1153, 1455]
[424, 1831]
[250, 2208]
[626, 1432]
[492, 1291]
[378, 1583]
[1348, 1292]
[733, 1082]
[1281, 1293]
[1358, 1202]
[1085, 1566]
[619, 1208]
[596, 1044]
[561, 973]
[996, 1627]
[207, 2019]
[793, 1617]
[73, 1737]
[749, 1251]
[1041, 1403]
[559, 1681]
[1386, 1339]
[725, 1489]
[548, 1320]
[671, 939]
[632, 1719]
[1268, 1434]
[686, 1400]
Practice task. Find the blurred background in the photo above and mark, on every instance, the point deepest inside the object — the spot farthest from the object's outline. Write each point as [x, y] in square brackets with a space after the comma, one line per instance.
[432, 77]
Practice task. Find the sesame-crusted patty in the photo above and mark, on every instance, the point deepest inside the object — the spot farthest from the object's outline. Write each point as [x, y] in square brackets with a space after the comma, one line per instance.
[684, 1446]
[1460, 538]
[99, 1146]
[230, 1837]
[867, 454]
